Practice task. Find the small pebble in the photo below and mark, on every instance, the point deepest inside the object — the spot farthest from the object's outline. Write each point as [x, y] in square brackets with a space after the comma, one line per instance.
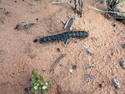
[35, 40]
[60, 65]
[100, 85]
[101, 2]
[75, 41]
[122, 64]
[123, 45]
[58, 49]
[114, 25]
[15, 1]
[33, 11]
[43, 70]
[74, 67]
[37, 19]
[70, 70]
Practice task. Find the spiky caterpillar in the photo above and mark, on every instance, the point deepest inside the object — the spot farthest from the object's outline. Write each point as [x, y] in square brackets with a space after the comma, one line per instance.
[63, 36]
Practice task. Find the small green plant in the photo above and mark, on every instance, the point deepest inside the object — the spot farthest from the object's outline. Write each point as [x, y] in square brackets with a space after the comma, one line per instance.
[39, 84]
[121, 0]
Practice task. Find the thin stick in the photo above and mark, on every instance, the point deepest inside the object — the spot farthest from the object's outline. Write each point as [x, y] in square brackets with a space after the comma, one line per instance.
[66, 24]
[87, 50]
[31, 4]
[57, 3]
[63, 22]
[56, 62]
[72, 23]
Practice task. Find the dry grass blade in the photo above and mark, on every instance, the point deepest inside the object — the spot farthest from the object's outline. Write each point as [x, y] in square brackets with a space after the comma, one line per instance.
[70, 23]
[106, 11]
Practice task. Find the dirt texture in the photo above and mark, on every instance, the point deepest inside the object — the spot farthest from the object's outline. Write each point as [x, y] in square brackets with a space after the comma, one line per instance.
[19, 55]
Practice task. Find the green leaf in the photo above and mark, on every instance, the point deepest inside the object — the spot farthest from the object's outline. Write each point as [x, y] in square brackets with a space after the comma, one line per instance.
[36, 91]
[40, 77]
[49, 82]
[45, 91]
[34, 81]
[33, 89]
[34, 74]
[39, 83]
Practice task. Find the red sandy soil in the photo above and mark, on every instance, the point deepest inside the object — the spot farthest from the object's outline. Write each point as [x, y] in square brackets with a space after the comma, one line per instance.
[19, 55]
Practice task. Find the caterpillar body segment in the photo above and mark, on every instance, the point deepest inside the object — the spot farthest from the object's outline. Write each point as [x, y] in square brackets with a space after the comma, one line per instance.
[64, 36]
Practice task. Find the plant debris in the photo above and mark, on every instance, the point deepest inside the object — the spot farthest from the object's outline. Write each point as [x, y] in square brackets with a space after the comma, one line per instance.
[78, 3]
[24, 26]
[117, 12]
[69, 23]
[91, 78]
[58, 3]
[72, 20]
[116, 83]
[65, 42]
[39, 84]
[2, 19]
[87, 49]
[57, 62]
[4, 11]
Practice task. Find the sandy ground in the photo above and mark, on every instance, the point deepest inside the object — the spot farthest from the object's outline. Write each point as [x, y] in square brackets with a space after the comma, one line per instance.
[19, 55]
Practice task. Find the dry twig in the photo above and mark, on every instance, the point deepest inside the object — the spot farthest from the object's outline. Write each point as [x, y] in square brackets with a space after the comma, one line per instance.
[57, 62]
